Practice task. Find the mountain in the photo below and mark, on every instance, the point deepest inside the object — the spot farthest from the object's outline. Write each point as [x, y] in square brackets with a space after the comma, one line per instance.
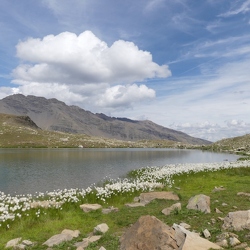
[52, 114]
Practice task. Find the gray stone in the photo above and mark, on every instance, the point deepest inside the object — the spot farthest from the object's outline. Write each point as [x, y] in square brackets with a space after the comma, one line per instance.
[90, 207]
[86, 241]
[199, 202]
[206, 234]
[192, 240]
[168, 210]
[136, 204]
[57, 239]
[233, 241]
[237, 221]
[218, 189]
[73, 233]
[102, 228]
[13, 242]
[109, 210]
[148, 197]
[102, 248]
[217, 211]
[185, 225]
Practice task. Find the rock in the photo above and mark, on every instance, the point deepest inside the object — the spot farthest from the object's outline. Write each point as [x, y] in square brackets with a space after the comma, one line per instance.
[242, 245]
[13, 242]
[57, 239]
[27, 242]
[242, 193]
[148, 197]
[109, 210]
[199, 202]
[168, 210]
[73, 233]
[65, 235]
[237, 221]
[102, 248]
[90, 207]
[192, 241]
[185, 225]
[148, 233]
[102, 228]
[224, 204]
[222, 243]
[217, 211]
[206, 234]
[233, 241]
[218, 189]
[87, 241]
[136, 204]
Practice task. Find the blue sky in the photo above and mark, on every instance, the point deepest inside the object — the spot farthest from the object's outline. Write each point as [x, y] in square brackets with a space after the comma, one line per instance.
[183, 64]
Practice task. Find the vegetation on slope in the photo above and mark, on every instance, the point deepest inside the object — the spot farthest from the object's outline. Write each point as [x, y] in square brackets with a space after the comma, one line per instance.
[20, 131]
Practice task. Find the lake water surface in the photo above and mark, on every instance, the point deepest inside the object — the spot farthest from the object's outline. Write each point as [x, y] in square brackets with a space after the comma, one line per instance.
[24, 171]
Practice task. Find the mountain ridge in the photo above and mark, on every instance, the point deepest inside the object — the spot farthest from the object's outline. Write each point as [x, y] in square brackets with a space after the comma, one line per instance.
[55, 115]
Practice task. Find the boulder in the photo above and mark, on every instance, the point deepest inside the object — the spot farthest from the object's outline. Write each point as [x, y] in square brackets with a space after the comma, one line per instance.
[168, 210]
[90, 207]
[192, 241]
[199, 202]
[57, 239]
[237, 221]
[65, 235]
[13, 242]
[102, 228]
[148, 233]
[148, 197]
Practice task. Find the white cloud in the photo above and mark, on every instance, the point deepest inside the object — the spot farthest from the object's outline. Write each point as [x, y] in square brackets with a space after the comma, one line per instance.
[242, 9]
[122, 96]
[67, 63]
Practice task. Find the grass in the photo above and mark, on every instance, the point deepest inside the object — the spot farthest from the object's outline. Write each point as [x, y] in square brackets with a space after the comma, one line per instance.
[53, 221]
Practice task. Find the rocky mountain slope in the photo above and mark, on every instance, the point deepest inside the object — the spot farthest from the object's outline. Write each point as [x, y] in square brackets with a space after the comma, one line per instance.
[51, 114]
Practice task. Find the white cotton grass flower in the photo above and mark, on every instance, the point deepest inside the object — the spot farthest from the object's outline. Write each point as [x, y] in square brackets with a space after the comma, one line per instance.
[146, 179]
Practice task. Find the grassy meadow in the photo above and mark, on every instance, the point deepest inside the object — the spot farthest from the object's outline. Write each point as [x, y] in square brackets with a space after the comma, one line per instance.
[39, 224]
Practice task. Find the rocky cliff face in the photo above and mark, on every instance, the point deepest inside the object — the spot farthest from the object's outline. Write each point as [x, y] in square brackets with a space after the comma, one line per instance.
[51, 114]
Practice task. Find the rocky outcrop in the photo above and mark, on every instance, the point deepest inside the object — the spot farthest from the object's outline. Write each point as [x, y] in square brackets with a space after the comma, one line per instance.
[149, 233]
[237, 221]
[90, 207]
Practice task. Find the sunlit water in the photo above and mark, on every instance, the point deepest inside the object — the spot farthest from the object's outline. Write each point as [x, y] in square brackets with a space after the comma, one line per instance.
[24, 171]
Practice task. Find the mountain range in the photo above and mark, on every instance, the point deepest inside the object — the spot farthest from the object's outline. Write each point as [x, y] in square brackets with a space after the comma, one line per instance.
[55, 115]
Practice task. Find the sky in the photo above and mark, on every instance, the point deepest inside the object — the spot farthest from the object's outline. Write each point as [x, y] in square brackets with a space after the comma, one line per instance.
[183, 64]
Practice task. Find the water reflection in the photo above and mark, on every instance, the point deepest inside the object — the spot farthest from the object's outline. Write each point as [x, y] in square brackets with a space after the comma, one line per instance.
[25, 171]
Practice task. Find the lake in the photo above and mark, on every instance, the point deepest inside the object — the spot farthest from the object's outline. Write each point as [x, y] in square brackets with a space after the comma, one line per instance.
[26, 171]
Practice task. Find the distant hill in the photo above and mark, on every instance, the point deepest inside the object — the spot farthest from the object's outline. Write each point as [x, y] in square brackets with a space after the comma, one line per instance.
[54, 115]
[239, 144]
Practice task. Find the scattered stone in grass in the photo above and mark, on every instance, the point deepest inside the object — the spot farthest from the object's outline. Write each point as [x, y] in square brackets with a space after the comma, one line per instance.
[101, 228]
[199, 202]
[242, 193]
[185, 225]
[13, 242]
[213, 221]
[90, 207]
[148, 197]
[218, 189]
[233, 241]
[224, 204]
[136, 204]
[237, 221]
[220, 219]
[217, 211]
[109, 210]
[168, 210]
[206, 234]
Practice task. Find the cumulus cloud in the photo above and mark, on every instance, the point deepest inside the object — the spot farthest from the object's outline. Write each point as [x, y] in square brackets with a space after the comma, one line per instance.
[56, 65]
